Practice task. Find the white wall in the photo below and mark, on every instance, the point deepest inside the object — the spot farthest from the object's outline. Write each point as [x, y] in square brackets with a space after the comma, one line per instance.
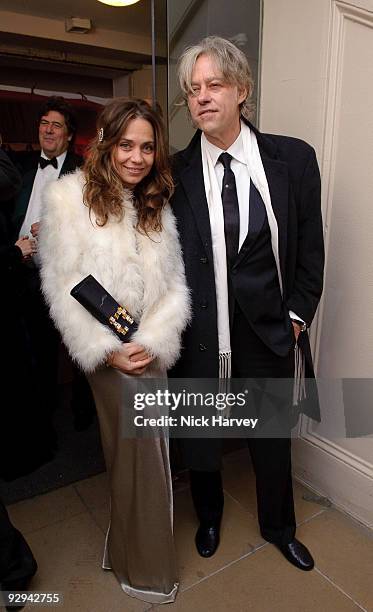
[317, 84]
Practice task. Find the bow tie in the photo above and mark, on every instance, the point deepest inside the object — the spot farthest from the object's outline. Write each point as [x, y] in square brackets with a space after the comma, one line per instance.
[43, 163]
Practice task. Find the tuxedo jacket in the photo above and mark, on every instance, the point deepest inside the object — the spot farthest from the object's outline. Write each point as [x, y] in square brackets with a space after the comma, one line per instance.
[294, 183]
[10, 255]
[72, 161]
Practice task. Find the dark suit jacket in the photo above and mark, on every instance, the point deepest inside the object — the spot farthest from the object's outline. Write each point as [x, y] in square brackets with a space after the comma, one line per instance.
[10, 184]
[72, 161]
[21, 423]
[294, 182]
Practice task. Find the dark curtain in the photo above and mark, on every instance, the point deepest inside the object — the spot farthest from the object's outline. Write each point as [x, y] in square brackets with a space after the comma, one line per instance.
[19, 123]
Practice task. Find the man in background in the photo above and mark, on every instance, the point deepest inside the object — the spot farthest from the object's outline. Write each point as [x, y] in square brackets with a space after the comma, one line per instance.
[57, 129]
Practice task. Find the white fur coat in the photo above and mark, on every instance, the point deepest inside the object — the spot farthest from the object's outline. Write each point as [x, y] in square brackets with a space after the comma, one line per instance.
[144, 275]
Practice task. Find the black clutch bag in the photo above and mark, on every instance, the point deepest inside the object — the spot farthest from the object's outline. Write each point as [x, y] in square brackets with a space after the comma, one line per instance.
[90, 294]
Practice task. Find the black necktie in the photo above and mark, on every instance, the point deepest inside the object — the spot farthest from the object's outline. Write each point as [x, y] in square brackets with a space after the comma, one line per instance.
[43, 163]
[230, 209]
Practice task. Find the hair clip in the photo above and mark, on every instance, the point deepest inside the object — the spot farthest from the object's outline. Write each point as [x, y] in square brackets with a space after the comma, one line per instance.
[100, 134]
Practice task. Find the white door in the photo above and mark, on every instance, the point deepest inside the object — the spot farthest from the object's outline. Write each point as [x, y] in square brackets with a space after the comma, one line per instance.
[317, 84]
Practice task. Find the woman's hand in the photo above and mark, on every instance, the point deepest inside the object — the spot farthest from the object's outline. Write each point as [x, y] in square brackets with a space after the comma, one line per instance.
[27, 246]
[132, 358]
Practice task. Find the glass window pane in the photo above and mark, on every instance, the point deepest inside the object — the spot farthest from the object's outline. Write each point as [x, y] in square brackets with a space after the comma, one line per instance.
[191, 20]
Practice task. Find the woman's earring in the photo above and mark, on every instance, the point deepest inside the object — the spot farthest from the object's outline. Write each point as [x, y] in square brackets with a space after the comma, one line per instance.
[101, 135]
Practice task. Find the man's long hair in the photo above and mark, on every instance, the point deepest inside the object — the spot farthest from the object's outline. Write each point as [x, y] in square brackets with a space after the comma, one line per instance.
[231, 62]
[104, 190]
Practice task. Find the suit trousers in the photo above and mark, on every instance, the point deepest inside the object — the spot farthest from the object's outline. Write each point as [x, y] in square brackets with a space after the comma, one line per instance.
[44, 339]
[271, 457]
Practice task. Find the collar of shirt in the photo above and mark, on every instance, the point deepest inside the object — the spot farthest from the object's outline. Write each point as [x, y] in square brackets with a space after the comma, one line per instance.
[236, 150]
[60, 159]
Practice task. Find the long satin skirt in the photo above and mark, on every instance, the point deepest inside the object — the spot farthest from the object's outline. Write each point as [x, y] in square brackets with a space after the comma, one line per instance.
[139, 545]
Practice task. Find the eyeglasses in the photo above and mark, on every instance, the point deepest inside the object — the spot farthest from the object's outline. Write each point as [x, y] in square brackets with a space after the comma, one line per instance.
[56, 124]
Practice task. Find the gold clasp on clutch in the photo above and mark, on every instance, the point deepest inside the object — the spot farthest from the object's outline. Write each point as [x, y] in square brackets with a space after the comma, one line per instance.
[123, 312]
[118, 326]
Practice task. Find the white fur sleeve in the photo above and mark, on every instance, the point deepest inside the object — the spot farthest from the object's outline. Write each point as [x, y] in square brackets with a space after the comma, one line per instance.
[165, 318]
[61, 253]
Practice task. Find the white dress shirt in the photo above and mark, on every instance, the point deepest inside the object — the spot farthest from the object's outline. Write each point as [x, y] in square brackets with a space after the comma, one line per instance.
[242, 175]
[241, 172]
[42, 178]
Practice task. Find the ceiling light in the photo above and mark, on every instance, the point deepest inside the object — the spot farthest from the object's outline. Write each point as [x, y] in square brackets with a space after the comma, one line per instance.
[119, 2]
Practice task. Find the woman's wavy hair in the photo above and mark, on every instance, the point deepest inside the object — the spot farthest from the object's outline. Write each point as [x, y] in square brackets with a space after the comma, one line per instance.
[103, 190]
[230, 60]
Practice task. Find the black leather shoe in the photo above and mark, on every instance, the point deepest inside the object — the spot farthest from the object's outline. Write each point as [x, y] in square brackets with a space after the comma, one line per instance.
[297, 554]
[207, 539]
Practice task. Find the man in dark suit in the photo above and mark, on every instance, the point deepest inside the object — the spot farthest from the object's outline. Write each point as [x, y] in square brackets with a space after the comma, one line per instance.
[21, 424]
[248, 211]
[17, 564]
[57, 128]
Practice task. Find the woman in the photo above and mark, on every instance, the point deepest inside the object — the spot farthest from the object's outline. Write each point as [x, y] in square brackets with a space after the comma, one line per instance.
[112, 220]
